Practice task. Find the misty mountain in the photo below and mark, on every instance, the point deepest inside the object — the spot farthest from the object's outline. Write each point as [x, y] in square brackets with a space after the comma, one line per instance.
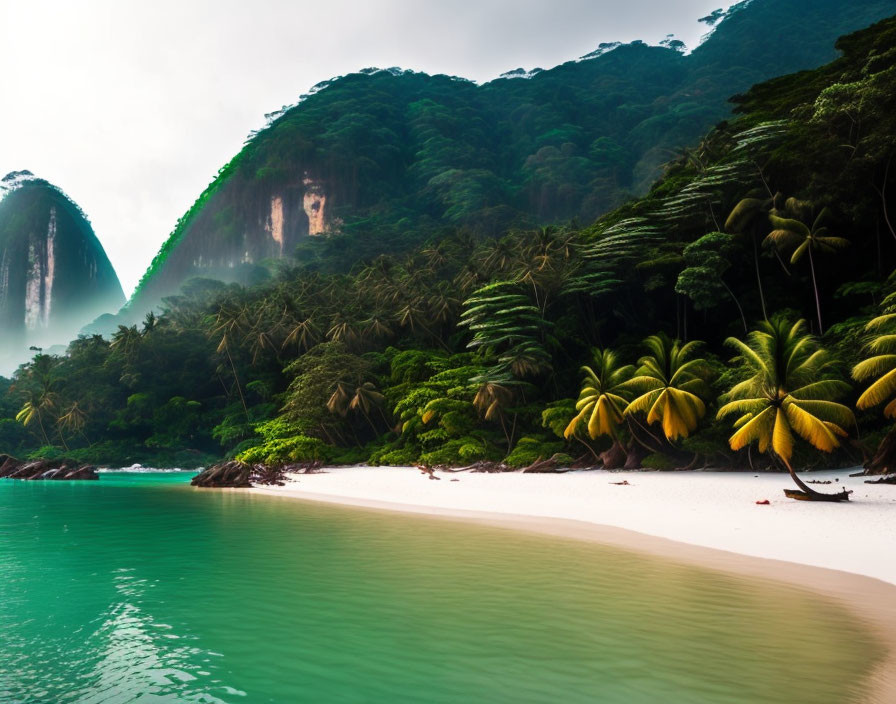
[54, 273]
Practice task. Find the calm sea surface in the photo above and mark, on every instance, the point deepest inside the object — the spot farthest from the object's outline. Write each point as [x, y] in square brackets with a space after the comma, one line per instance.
[138, 588]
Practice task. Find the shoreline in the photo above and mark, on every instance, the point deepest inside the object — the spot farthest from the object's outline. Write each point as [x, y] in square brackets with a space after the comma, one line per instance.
[869, 593]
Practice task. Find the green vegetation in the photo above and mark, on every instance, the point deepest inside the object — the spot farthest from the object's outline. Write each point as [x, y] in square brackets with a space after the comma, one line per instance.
[401, 155]
[467, 348]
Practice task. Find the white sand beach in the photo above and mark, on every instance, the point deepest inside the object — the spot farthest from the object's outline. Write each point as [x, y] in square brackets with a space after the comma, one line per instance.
[709, 509]
[846, 551]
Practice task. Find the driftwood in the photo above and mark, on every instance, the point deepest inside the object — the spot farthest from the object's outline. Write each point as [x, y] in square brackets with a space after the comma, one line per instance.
[236, 475]
[891, 479]
[309, 467]
[57, 470]
[548, 466]
[816, 496]
[480, 466]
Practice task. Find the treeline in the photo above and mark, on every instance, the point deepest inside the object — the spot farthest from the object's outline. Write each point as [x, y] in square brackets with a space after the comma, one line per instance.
[775, 230]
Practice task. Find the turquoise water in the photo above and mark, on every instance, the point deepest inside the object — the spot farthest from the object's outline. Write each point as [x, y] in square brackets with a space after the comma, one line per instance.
[139, 588]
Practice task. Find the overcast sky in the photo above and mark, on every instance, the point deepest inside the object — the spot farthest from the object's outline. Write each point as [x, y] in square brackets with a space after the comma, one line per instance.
[131, 108]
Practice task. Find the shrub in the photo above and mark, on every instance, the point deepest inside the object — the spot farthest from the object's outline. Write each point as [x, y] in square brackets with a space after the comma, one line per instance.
[658, 460]
[531, 449]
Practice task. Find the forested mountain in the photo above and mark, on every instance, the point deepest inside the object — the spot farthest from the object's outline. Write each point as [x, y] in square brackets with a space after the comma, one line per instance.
[739, 314]
[386, 158]
[54, 274]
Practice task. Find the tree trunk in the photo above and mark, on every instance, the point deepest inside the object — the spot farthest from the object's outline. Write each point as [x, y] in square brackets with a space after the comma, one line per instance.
[636, 455]
[815, 288]
[807, 494]
[236, 378]
[614, 458]
[759, 277]
[884, 460]
[737, 303]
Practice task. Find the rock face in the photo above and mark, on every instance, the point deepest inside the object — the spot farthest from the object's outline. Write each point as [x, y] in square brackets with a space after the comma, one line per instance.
[54, 274]
[11, 468]
[235, 227]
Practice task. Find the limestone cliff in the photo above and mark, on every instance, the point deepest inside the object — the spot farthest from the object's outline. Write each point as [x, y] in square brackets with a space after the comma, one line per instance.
[54, 273]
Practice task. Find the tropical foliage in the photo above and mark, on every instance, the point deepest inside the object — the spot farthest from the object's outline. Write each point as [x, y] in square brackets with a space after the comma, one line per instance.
[459, 347]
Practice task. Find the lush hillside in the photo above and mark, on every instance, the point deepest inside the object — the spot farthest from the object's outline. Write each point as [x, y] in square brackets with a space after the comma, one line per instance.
[54, 274]
[740, 315]
[386, 158]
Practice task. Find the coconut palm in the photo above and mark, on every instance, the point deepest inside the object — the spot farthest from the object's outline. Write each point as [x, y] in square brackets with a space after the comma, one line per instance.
[40, 394]
[343, 329]
[492, 397]
[34, 408]
[365, 399]
[790, 233]
[880, 366]
[303, 334]
[882, 362]
[230, 324]
[745, 219]
[670, 381]
[788, 391]
[126, 341]
[602, 400]
[376, 327]
[73, 420]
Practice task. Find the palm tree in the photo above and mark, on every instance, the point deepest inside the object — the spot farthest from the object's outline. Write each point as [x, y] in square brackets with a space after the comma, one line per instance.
[881, 363]
[790, 233]
[745, 219]
[150, 323]
[881, 366]
[342, 329]
[376, 327]
[492, 397]
[304, 334]
[230, 324]
[602, 401]
[33, 410]
[670, 381]
[786, 392]
[40, 394]
[365, 399]
[74, 420]
[126, 341]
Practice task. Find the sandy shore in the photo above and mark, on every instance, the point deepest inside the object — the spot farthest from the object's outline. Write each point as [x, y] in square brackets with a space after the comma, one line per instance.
[846, 552]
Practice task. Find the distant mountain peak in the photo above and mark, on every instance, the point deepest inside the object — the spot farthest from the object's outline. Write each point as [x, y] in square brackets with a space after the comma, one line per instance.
[14, 179]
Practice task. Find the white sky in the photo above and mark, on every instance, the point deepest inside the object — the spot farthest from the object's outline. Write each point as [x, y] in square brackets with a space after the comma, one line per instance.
[131, 108]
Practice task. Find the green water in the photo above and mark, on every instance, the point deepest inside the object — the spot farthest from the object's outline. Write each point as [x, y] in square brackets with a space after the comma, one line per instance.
[138, 588]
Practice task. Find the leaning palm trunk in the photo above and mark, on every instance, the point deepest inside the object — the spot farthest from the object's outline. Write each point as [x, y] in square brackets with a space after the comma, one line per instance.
[807, 494]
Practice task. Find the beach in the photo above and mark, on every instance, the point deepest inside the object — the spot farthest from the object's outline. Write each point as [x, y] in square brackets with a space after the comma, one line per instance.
[711, 519]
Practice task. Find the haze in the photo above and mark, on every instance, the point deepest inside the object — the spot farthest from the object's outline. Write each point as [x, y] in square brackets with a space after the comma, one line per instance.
[132, 108]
